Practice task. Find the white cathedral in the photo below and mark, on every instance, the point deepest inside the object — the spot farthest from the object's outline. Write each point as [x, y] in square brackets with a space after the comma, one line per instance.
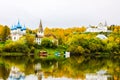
[17, 31]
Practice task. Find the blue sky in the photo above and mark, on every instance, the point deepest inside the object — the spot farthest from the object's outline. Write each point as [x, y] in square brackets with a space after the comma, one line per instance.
[59, 13]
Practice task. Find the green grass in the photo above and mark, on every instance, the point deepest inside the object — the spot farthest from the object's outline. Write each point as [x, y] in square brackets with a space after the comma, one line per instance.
[51, 52]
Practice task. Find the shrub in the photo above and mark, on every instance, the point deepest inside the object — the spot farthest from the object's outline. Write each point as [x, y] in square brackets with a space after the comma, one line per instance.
[16, 47]
[76, 50]
[46, 43]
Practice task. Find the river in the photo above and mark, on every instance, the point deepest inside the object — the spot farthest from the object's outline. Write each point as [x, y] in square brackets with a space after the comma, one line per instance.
[60, 68]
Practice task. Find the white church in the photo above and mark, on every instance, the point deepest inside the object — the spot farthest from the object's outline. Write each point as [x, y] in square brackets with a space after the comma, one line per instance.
[100, 28]
[17, 31]
[40, 34]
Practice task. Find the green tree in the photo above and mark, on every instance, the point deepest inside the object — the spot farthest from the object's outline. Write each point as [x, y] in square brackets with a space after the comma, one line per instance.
[46, 43]
[30, 40]
[18, 46]
[79, 50]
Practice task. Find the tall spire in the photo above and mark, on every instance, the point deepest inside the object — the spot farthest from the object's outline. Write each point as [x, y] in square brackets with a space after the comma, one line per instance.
[18, 21]
[105, 23]
[40, 27]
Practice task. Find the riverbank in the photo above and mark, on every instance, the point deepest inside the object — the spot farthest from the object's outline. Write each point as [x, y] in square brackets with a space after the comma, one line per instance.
[36, 52]
[53, 53]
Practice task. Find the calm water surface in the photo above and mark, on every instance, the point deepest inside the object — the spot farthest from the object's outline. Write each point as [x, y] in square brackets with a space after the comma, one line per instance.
[73, 68]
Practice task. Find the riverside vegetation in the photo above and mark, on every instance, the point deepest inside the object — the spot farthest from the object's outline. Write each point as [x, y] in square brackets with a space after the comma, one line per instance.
[74, 40]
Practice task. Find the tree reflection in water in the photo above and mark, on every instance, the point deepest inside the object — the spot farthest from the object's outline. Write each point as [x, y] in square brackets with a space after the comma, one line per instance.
[74, 67]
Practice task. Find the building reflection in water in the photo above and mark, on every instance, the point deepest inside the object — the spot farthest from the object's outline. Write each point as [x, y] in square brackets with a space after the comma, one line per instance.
[100, 75]
[16, 74]
[38, 71]
[60, 68]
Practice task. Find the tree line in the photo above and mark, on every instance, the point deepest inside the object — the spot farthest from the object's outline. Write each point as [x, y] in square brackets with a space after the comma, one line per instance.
[72, 39]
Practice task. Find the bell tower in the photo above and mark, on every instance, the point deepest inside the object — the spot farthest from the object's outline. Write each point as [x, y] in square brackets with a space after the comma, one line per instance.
[39, 34]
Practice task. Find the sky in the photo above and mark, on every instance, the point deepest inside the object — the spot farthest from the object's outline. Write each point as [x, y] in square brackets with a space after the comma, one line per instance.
[59, 13]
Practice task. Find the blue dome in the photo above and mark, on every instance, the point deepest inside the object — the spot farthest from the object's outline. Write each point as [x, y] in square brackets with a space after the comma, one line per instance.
[23, 28]
[13, 27]
[18, 25]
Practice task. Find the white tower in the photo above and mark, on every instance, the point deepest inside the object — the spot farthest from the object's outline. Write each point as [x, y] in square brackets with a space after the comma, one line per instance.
[39, 34]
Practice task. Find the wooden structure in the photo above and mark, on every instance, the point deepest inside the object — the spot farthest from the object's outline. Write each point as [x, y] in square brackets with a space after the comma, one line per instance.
[43, 53]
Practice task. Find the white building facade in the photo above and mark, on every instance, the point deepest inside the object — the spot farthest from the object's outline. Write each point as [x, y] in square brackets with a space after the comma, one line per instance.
[17, 31]
[99, 28]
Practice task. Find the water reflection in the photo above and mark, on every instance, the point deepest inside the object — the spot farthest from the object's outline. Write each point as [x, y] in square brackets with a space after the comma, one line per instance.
[16, 74]
[100, 75]
[74, 68]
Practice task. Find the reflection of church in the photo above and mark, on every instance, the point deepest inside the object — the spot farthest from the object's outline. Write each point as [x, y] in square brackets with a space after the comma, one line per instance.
[100, 75]
[17, 31]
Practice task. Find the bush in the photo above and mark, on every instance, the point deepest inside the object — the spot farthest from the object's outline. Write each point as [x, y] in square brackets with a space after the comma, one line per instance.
[79, 50]
[37, 46]
[16, 47]
[76, 50]
[47, 43]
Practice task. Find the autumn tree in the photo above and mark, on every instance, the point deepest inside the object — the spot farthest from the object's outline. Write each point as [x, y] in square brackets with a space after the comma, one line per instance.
[5, 33]
[30, 40]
